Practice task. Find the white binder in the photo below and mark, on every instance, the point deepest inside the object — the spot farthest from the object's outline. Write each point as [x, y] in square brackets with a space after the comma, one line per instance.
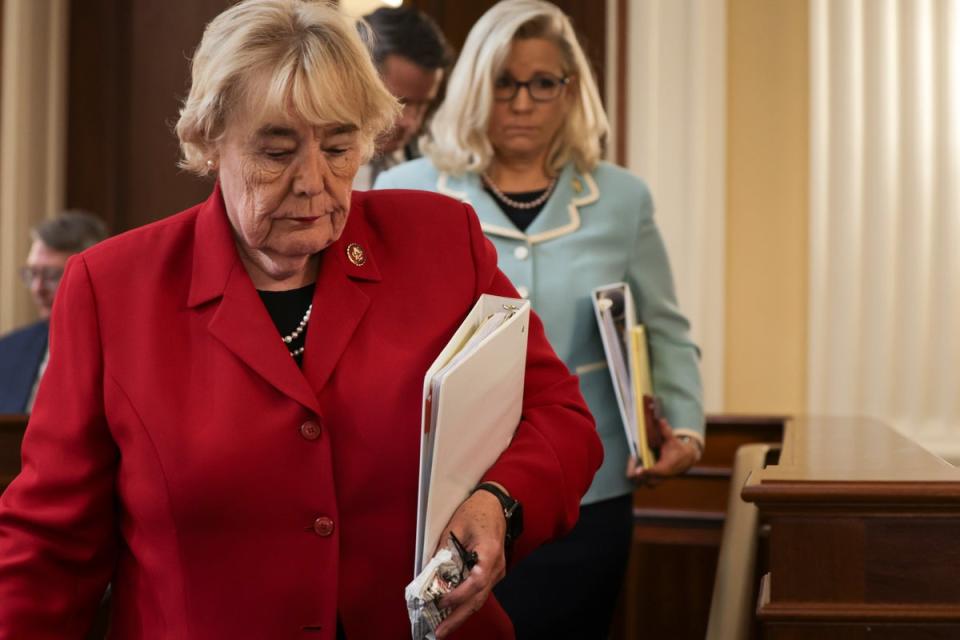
[472, 401]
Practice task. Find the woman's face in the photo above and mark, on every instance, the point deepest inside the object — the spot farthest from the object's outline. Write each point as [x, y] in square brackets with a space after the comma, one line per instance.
[286, 186]
[523, 128]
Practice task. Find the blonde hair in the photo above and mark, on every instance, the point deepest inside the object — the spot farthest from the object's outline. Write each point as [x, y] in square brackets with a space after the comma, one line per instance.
[306, 56]
[457, 141]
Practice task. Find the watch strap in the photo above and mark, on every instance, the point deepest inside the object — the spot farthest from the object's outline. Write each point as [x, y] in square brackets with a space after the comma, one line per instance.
[508, 504]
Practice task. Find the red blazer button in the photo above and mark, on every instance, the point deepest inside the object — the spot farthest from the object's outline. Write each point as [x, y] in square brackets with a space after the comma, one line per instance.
[323, 526]
[310, 430]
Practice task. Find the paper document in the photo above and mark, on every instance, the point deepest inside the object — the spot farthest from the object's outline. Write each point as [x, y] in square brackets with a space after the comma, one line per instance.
[625, 347]
[472, 401]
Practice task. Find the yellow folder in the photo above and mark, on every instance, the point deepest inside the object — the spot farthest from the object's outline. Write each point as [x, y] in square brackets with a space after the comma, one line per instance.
[642, 389]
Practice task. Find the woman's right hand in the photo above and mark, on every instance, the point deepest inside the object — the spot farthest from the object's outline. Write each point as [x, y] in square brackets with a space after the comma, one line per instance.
[479, 523]
[676, 457]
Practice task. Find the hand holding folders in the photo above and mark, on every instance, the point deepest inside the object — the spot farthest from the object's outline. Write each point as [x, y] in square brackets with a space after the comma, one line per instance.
[625, 346]
[472, 399]
[472, 403]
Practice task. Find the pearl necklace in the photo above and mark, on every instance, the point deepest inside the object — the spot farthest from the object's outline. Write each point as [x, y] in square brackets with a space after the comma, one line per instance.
[287, 339]
[516, 204]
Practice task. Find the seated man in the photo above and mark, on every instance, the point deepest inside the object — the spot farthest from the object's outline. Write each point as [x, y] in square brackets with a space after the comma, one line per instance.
[23, 352]
[412, 57]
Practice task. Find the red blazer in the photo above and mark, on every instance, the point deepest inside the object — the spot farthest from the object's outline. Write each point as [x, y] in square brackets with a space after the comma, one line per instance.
[174, 449]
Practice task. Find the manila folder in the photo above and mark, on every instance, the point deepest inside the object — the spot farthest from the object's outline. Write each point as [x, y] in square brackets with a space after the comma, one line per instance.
[472, 400]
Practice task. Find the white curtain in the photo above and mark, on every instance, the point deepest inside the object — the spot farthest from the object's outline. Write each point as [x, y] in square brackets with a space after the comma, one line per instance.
[885, 215]
[676, 117]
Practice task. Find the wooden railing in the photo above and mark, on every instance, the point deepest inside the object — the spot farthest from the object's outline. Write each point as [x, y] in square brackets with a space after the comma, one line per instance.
[11, 435]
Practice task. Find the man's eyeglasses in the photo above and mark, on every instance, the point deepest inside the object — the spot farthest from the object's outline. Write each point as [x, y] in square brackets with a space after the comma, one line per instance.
[49, 276]
[542, 87]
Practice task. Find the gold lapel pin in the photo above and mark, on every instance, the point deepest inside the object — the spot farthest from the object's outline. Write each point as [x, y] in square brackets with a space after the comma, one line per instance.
[356, 254]
[577, 186]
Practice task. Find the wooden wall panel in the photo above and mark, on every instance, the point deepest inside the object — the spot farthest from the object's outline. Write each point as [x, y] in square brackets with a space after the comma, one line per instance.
[128, 70]
[95, 109]
[589, 20]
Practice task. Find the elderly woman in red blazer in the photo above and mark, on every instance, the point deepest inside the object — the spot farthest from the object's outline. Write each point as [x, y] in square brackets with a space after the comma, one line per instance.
[228, 430]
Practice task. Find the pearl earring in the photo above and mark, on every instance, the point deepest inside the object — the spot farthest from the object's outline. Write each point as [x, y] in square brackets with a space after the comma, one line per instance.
[210, 164]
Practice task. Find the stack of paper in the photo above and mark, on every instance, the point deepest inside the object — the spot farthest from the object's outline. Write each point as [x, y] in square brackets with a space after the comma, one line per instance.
[625, 346]
[472, 401]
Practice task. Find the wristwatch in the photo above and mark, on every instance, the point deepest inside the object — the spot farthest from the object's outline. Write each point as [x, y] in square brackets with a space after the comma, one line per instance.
[512, 511]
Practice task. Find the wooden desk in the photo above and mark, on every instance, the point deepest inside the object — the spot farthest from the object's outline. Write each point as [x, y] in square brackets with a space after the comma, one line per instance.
[864, 535]
[11, 435]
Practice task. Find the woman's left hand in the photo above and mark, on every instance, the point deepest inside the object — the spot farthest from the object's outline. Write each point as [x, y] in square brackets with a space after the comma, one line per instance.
[675, 458]
[480, 525]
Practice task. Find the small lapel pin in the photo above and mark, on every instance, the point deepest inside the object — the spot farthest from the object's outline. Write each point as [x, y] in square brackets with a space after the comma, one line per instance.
[576, 185]
[356, 254]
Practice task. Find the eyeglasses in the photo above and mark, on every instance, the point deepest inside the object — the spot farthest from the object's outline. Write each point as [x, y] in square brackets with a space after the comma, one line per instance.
[542, 87]
[49, 276]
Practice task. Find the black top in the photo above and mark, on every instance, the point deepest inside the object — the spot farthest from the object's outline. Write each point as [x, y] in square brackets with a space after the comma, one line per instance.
[286, 309]
[521, 218]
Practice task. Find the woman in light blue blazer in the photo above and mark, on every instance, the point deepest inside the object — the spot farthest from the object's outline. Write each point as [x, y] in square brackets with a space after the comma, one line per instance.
[519, 138]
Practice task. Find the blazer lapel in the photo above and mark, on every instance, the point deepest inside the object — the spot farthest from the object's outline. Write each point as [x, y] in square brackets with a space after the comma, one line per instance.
[339, 301]
[241, 322]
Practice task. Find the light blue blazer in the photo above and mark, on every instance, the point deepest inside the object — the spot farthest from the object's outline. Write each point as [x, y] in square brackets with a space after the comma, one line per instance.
[595, 229]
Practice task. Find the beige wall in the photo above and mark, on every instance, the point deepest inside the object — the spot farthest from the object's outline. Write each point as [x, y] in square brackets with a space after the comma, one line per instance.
[32, 140]
[767, 205]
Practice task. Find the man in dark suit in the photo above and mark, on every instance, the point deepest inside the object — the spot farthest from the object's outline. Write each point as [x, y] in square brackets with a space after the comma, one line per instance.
[23, 352]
